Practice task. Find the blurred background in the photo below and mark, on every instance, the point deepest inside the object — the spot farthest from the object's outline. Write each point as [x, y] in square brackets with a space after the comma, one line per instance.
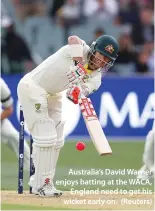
[32, 30]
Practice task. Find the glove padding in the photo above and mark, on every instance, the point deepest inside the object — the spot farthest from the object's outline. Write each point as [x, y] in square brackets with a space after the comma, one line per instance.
[74, 93]
[76, 74]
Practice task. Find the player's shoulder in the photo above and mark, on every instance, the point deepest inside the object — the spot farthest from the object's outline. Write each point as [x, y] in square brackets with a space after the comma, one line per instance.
[84, 44]
[96, 73]
[63, 52]
[2, 82]
[64, 48]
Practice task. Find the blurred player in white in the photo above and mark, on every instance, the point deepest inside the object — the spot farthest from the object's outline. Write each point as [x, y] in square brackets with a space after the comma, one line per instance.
[9, 135]
[40, 94]
[148, 169]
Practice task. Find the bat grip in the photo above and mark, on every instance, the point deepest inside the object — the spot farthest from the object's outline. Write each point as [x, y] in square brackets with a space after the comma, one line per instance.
[82, 96]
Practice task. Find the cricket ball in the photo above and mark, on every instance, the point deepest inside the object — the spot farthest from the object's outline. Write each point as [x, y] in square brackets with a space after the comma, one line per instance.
[80, 146]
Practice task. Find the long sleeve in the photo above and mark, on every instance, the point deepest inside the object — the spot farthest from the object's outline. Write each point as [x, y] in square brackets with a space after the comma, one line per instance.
[92, 82]
[6, 98]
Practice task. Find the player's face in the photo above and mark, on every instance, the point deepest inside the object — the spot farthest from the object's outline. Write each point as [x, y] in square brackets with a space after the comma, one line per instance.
[98, 61]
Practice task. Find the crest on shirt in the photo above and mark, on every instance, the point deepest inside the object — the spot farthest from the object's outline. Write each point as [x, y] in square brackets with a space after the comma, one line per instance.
[37, 106]
[109, 48]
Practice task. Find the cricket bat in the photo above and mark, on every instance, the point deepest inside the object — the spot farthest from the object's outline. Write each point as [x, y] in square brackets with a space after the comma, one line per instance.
[94, 127]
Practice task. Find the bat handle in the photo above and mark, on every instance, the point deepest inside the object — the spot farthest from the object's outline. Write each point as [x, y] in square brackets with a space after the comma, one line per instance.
[82, 96]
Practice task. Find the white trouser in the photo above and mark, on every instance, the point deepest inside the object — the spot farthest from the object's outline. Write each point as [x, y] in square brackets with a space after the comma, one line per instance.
[148, 156]
[10, 136]
[42, 113]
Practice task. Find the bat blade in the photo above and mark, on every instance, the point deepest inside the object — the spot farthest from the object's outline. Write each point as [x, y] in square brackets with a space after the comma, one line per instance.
[94, 127]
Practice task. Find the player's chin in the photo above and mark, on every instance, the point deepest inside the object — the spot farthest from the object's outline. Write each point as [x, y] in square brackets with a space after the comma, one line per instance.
[93, 67]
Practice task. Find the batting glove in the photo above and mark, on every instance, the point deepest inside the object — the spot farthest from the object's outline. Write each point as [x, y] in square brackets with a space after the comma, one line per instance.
[74, 93]
[76, 74]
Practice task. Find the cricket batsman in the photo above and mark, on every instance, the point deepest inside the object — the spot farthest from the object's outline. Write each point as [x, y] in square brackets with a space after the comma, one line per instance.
[148, 169]
[76, 68]
[9, 135]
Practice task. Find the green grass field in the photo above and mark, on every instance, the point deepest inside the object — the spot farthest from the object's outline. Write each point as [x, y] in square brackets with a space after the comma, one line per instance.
[126, 155]
[24, 207]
